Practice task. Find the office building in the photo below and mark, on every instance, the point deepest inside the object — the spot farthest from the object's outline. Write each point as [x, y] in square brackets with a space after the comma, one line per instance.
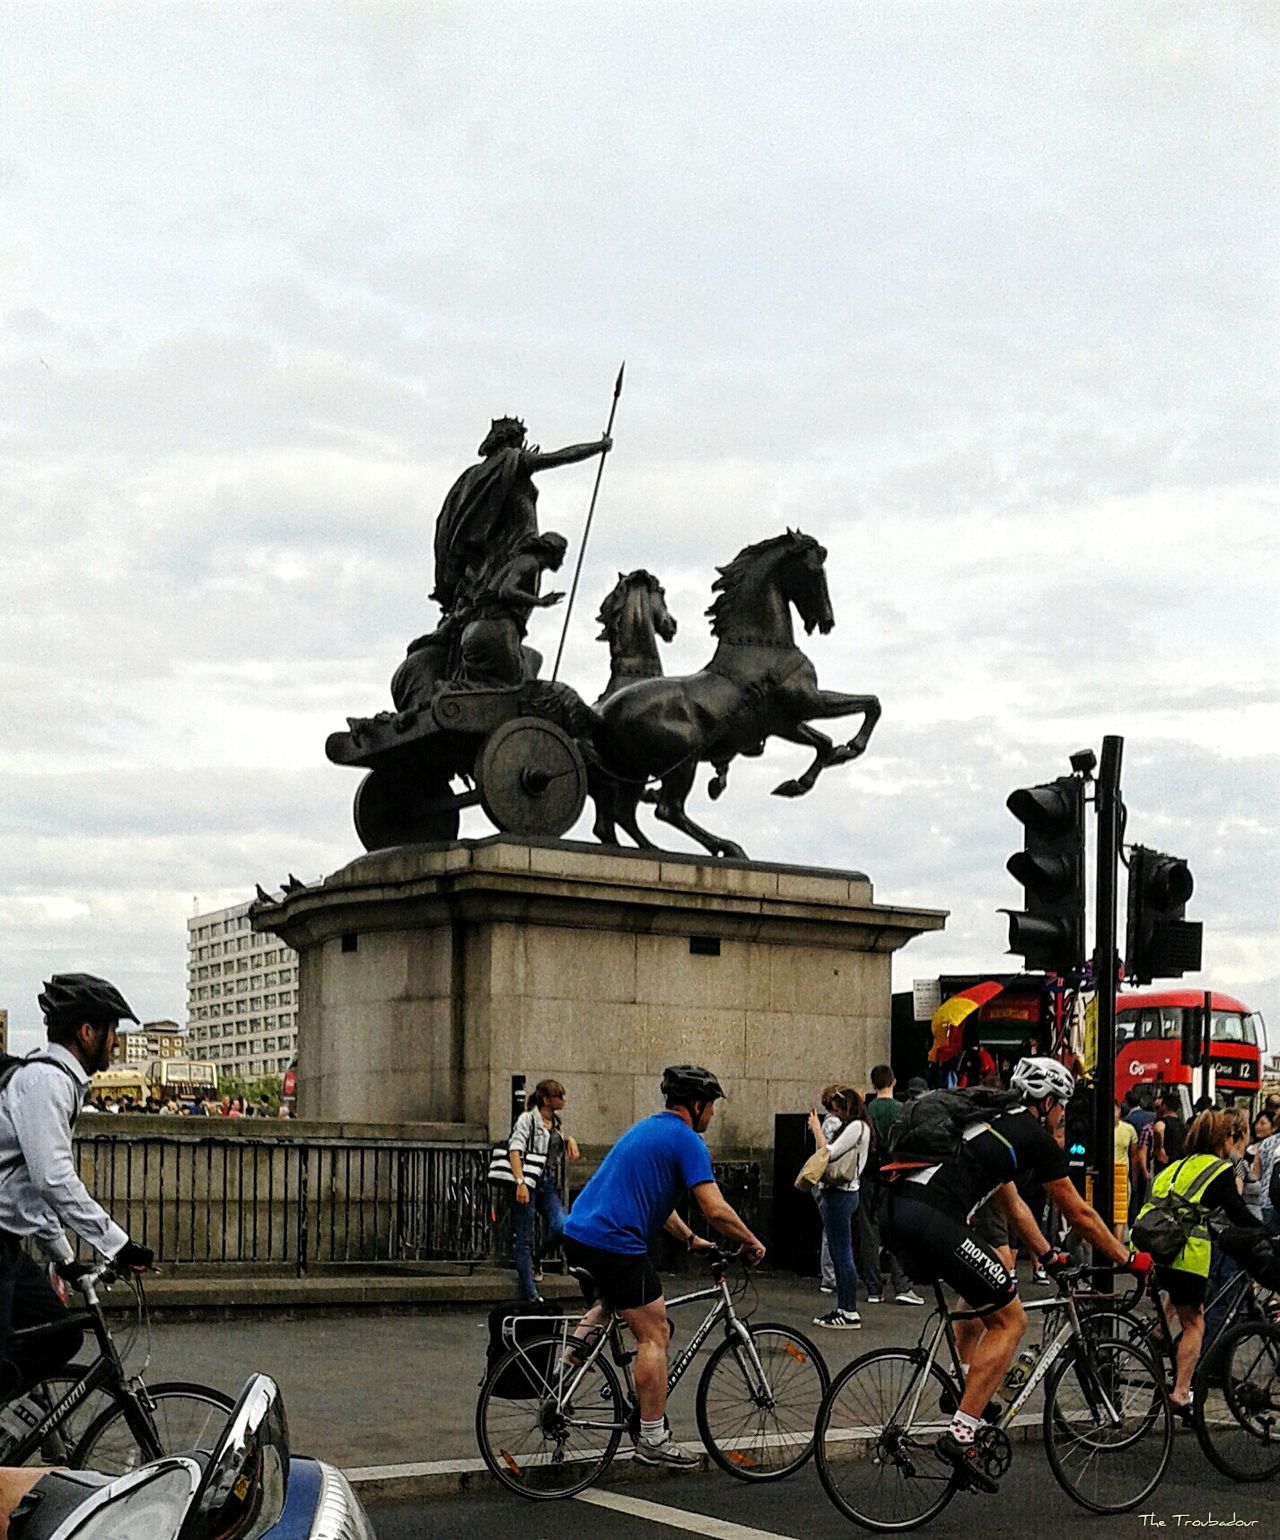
[242, 995]
[153, 1040]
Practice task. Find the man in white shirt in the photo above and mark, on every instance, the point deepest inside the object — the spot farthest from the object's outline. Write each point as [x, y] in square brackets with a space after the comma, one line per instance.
[40, 1189]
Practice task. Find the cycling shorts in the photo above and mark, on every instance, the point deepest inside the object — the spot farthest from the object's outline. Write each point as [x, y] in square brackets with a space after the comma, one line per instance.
[1182, 1287]
[625, 1280]
[936, 1245]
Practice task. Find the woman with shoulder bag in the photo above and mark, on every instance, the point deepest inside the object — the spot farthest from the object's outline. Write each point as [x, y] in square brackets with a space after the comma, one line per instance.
[537, 1131]
[846, 1136]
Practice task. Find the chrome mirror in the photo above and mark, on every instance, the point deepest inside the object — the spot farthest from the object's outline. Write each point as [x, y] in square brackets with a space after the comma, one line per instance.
[247, 1478]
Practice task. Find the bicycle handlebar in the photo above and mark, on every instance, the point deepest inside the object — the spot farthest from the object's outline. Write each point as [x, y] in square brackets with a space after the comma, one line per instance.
[1070, 1276]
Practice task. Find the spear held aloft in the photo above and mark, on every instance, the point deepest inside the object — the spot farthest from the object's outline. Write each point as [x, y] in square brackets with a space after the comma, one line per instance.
[586, 532]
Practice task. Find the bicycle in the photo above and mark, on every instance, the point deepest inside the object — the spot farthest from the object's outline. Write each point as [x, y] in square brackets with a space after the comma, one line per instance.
[1235, 1404]
[139, 1423]
[551, 1412]
[1108, 1428]
[1241, 1433]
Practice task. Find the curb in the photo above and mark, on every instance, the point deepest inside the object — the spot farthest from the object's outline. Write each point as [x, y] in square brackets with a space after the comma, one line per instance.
[216, 1297]
[455, 1478]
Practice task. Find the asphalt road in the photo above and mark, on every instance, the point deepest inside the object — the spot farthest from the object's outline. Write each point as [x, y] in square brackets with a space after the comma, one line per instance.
[1193, 1498]
[368, 1388]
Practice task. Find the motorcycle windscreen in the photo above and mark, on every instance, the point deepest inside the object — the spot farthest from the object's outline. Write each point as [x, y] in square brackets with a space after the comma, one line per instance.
[246, 1480]
[149, 1504]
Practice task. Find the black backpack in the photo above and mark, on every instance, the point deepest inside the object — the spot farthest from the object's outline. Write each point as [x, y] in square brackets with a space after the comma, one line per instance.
[11, 1063]
[932, 1127]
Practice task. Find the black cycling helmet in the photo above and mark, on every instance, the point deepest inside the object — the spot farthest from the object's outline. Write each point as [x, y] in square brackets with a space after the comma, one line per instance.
[70, 998]
[690, 1082]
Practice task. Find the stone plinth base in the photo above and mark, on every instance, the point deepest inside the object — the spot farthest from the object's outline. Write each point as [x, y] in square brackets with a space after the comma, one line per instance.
[430, 974]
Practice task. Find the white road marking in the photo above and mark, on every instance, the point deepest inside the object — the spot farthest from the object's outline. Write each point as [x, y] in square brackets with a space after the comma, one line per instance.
[677, 1518]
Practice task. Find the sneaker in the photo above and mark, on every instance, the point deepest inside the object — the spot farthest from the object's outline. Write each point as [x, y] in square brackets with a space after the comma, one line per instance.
[963, 1459]
[908, 1297]
[1038, 1275]
[667, 1453]
[826, 1288]
[872, 1299]
[839, 1320]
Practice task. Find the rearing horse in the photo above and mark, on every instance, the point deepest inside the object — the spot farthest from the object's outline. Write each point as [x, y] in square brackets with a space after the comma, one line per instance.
[757, 685]
[633, 616]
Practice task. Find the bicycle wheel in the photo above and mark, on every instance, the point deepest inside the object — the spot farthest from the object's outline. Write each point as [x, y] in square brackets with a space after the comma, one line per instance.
[761, 1429]
[545, 1430]
[874, 1440]
[1238, 1424]
[1108, 1430]
[186, 1416]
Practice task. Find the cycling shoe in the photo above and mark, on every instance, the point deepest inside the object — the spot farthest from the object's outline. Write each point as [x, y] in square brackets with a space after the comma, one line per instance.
[963, 1459]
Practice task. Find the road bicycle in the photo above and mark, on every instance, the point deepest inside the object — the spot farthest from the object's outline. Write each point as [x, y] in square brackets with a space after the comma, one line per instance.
[99, 1415]
[1235, 1394]
[553, 1409]
[1107, 1425]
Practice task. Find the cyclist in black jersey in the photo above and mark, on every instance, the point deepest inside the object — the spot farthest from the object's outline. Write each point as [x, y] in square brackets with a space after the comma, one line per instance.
[930, 1208]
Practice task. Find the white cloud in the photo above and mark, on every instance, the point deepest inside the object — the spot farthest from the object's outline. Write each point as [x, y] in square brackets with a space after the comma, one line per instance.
[981, 296]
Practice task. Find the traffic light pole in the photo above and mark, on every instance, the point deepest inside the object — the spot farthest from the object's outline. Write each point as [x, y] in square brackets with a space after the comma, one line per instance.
[1107, 793]
[1206, 1044]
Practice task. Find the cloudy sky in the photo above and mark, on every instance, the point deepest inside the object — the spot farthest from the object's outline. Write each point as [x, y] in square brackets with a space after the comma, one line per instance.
[981, 295]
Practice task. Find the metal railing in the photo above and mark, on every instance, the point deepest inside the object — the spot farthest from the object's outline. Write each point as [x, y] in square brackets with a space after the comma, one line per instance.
[210, 1195]
[240, 1198]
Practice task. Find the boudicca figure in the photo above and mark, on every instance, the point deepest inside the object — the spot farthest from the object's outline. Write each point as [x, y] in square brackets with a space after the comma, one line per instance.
[492, 509]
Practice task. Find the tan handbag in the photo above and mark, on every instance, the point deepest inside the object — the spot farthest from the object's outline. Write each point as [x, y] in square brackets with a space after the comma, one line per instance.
[812, 1172]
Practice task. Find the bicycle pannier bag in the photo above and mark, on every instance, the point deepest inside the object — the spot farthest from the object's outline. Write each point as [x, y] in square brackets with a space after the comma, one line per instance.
[518, 1381]
[1168, 1222]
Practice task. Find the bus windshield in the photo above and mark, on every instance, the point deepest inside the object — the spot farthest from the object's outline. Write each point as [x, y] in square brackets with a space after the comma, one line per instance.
[1231, 1027]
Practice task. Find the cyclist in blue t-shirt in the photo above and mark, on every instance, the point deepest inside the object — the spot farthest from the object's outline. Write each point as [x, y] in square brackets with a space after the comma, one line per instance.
[622, 1210]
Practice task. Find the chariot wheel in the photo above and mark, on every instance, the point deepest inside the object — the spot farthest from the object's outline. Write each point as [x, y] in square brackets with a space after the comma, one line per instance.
[392, 808]
[531, 778]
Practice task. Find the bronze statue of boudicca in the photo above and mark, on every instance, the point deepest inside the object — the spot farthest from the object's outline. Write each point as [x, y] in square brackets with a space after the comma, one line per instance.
[475, 723]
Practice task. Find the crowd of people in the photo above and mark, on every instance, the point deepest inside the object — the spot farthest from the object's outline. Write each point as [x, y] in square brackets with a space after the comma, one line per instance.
[182, 1107]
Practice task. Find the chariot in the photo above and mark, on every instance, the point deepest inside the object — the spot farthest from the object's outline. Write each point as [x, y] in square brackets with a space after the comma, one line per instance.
[524, 770]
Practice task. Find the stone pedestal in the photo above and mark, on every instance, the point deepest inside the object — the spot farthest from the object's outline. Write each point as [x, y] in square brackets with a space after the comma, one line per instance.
[430, 974]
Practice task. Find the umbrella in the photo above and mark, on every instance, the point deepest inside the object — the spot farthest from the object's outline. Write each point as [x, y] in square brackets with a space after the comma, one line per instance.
[949, 1019]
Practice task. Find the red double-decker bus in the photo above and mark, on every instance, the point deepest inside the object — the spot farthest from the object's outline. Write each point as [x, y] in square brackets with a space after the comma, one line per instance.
[1150, 1025]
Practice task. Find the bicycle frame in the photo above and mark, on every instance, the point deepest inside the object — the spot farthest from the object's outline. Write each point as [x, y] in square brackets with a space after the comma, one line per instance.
[610, 1336]
[1242, 1304]
[1070, 1332]
[106, 1372]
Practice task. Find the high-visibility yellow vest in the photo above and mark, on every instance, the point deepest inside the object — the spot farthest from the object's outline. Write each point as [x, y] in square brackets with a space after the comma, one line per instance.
[1189, 1177]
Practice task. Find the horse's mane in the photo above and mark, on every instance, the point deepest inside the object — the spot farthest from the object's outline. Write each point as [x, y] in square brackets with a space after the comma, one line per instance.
[735, 573]
[611, 608]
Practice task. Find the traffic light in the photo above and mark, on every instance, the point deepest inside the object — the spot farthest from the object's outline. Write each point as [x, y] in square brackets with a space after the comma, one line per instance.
[1049, 933]
[1078, 1133]
[1159, 943]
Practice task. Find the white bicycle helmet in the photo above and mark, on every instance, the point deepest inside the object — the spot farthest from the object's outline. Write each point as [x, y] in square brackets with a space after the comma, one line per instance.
[1036, 1078]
